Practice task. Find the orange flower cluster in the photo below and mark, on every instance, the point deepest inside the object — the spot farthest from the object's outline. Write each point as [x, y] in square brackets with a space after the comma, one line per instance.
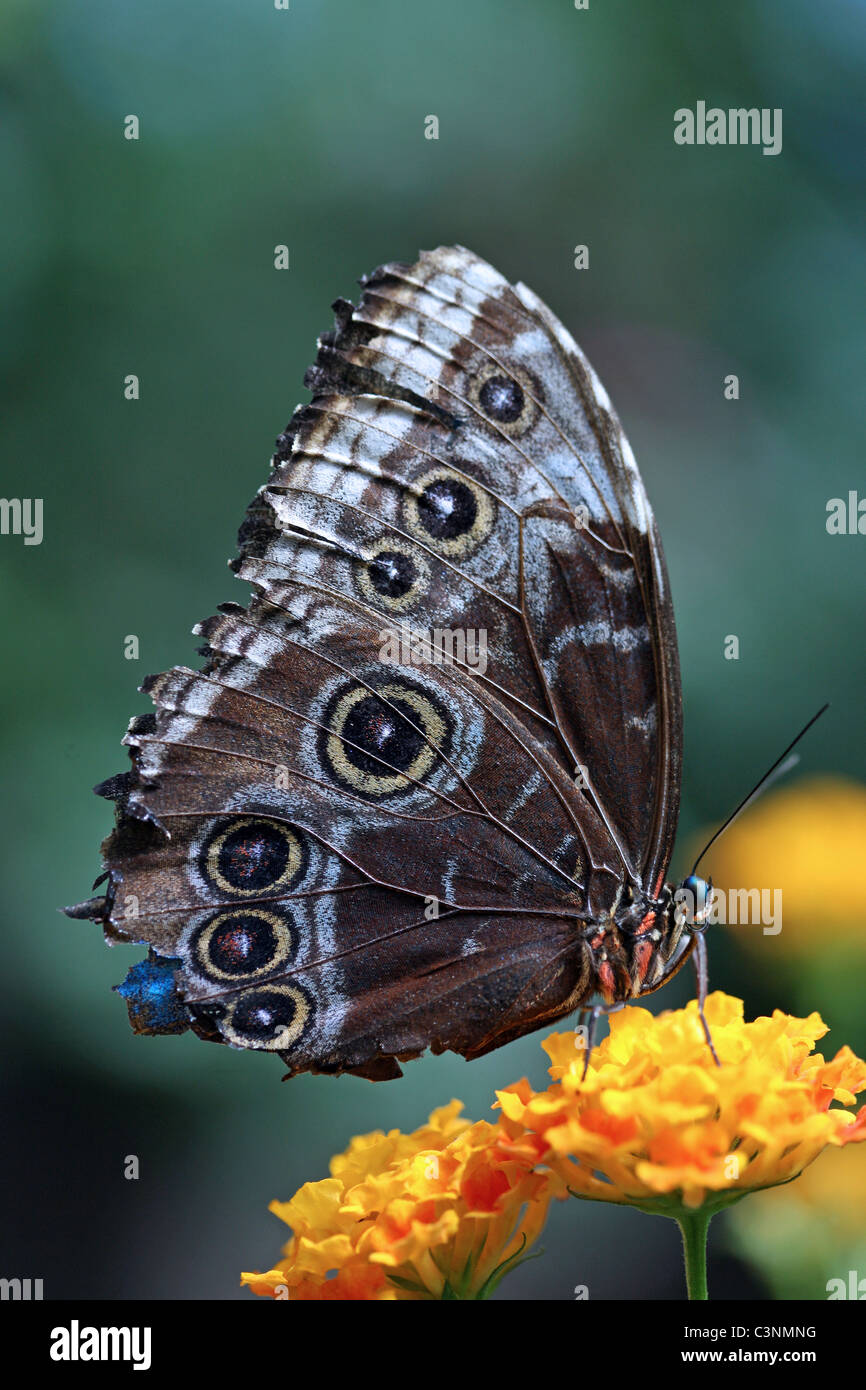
[447, 1211]
[442, 1213]
[655, 1116]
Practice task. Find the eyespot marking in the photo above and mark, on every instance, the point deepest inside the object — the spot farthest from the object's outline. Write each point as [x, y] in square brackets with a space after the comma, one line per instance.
[507, 397]
[381, 742]
[450, 513]
[271, 1018]
[242, 945]
[253, 857]
[393, 576]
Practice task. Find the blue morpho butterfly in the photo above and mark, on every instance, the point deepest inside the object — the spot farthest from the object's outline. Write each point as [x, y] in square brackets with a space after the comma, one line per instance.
[347, 838]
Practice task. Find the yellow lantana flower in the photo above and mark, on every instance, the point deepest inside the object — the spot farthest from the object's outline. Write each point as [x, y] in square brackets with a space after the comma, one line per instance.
[441, 1213]
[656, 1124]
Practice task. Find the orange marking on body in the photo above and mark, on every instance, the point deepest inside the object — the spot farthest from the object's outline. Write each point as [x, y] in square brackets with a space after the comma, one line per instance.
[642, 957]
[646, 922]
[607, 981]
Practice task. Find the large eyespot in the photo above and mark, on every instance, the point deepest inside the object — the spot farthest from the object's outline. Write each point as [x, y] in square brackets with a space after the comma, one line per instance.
[449, 512]
[242, 945]
[253, 857]
[394, 575]
[396, 727]
[506, 397]
[272, 1018]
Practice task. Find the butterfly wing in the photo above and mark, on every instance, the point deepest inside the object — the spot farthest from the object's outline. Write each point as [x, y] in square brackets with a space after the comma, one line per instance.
[593, 587]
[339, 845]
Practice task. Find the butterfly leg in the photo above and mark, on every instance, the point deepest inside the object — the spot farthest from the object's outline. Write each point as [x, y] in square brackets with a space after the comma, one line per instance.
[581, 1024]
[701, 971]
[582, 1028]
[594, 1015]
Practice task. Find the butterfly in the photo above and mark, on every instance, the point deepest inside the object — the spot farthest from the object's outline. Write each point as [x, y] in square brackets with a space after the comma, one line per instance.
[347, 838]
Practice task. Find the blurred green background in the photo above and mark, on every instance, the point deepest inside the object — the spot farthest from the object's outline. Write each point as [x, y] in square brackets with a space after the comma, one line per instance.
[155, 257]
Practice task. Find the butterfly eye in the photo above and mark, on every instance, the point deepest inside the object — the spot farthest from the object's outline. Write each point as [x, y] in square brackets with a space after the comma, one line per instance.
[271, 1019]
[451, 513]
[396, 727]
[692, 900]
[506, 397]
[242, 946]
[394, 576]
[252, 857]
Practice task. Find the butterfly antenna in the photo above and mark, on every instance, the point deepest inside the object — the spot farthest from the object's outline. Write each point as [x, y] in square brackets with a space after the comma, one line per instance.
[762, 785]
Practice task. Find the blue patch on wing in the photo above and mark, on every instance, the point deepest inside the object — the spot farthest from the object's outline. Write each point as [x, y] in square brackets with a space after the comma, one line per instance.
[151, 996]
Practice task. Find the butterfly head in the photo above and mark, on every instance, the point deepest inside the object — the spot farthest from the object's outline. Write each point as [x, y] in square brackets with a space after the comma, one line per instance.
[664, 938]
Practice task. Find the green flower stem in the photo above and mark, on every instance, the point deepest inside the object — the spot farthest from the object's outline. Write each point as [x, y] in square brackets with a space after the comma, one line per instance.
[694, 1223]
[693, 1229]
